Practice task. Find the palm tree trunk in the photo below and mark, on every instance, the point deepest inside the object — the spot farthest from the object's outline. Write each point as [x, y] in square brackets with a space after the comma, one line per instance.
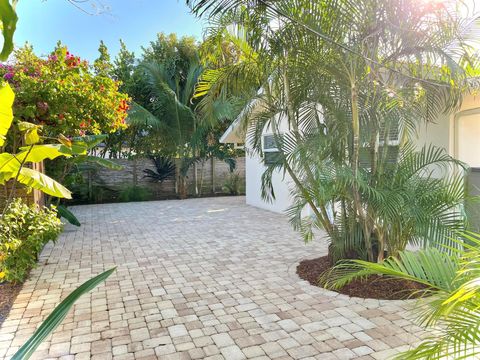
[355, 167]
[212, 162]
[319, 209]
[202, 169]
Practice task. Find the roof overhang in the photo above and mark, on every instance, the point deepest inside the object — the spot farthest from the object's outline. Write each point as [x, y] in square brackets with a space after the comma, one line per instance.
[234, 134]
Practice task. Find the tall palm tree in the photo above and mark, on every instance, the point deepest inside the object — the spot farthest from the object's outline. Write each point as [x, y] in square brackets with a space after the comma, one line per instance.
[345, 75]
[171, 116]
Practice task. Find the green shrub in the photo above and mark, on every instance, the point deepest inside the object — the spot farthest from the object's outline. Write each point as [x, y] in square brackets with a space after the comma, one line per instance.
[134, 193]
[24, 230]
[233, 184]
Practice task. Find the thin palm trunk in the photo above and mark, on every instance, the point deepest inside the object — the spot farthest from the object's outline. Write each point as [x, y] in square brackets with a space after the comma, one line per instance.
[355, 167]
[322, 215]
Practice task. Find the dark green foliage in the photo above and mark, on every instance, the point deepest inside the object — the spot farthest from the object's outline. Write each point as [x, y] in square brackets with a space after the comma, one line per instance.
[448, 309]
[353, 84]
[24, 230]
[57, 316]
[233, 184]
[164, 169]
[67, 215]
[134, 193]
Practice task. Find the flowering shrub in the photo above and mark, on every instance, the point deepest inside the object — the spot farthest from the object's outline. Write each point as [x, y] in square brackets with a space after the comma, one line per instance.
[62, 94]
[24, 230]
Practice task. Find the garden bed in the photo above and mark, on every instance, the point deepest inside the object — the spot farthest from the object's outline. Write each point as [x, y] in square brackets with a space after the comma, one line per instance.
[8, 293]
[374, 287]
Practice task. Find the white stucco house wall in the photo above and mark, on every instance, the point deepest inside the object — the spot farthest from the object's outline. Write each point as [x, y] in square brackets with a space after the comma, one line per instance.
[458, 134]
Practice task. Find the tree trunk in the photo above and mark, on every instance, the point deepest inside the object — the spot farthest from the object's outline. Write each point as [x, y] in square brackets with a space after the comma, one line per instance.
[135, 177]
[318, 209]
[195, 179]
[202, 169]
[355, 166]
[213, 175]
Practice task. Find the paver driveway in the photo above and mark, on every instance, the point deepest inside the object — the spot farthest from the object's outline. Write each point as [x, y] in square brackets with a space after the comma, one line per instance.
[200, 279]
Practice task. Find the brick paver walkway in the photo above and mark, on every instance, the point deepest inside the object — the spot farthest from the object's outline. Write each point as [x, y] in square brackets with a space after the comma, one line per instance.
[196, 279]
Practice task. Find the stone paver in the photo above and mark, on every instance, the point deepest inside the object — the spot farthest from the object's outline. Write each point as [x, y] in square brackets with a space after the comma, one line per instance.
[196, 279]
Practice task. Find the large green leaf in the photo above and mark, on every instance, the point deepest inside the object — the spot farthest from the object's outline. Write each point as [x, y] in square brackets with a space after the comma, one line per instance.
[68, 215]
[30, 132]
[11, 163]
[6, 113]
[36, 180]
[89, 141]
[8, 19]
[7, 163]
[38, 153]
[57, 316]
[431, 267]
[108, 164]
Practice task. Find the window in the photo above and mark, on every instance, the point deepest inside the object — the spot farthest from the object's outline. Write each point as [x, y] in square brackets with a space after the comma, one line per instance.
[269, 143]
[393, 133]
[392, 144]
[271, 155]
[271, 158]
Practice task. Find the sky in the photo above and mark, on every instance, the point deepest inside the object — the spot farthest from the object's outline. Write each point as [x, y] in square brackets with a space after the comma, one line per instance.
[43, 22]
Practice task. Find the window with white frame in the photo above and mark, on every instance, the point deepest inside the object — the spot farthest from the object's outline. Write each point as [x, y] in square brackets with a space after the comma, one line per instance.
[271, 154]
[392, 145]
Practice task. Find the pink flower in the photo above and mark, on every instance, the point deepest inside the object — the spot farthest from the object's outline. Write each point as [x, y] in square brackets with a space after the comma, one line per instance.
[8, 76]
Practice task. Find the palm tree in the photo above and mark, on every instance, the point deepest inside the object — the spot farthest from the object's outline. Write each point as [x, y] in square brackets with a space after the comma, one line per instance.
[450, 302]
[171, 117]
[175, 122]
[345, 75]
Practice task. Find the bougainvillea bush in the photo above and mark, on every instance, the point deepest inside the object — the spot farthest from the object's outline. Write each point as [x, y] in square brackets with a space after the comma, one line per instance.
[62, 93]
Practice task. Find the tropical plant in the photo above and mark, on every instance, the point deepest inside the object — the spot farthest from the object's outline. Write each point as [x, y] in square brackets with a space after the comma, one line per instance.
[351, 81]
[164, 169]
[63, 212]
[87, 185]
[57, 316]
[171, 118]
[132, 193]
[8, 20]
[450, 302]
[13, 165]
[67, 168]
[24, 230]
[232, 184]
[63, 95]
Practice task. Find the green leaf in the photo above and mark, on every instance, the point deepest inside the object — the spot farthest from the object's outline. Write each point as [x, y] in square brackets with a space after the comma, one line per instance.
[67, 215]
[64, 140]
[57, 316]
[30, 132]
[8, 164]
[38, 153]
[8, 18]
[108, 164]
[36, 180]
[6, 113]
[89, 141]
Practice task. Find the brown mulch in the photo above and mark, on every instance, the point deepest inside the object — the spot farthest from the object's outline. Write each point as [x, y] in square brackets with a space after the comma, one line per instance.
[373, 287]
[8, 293]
